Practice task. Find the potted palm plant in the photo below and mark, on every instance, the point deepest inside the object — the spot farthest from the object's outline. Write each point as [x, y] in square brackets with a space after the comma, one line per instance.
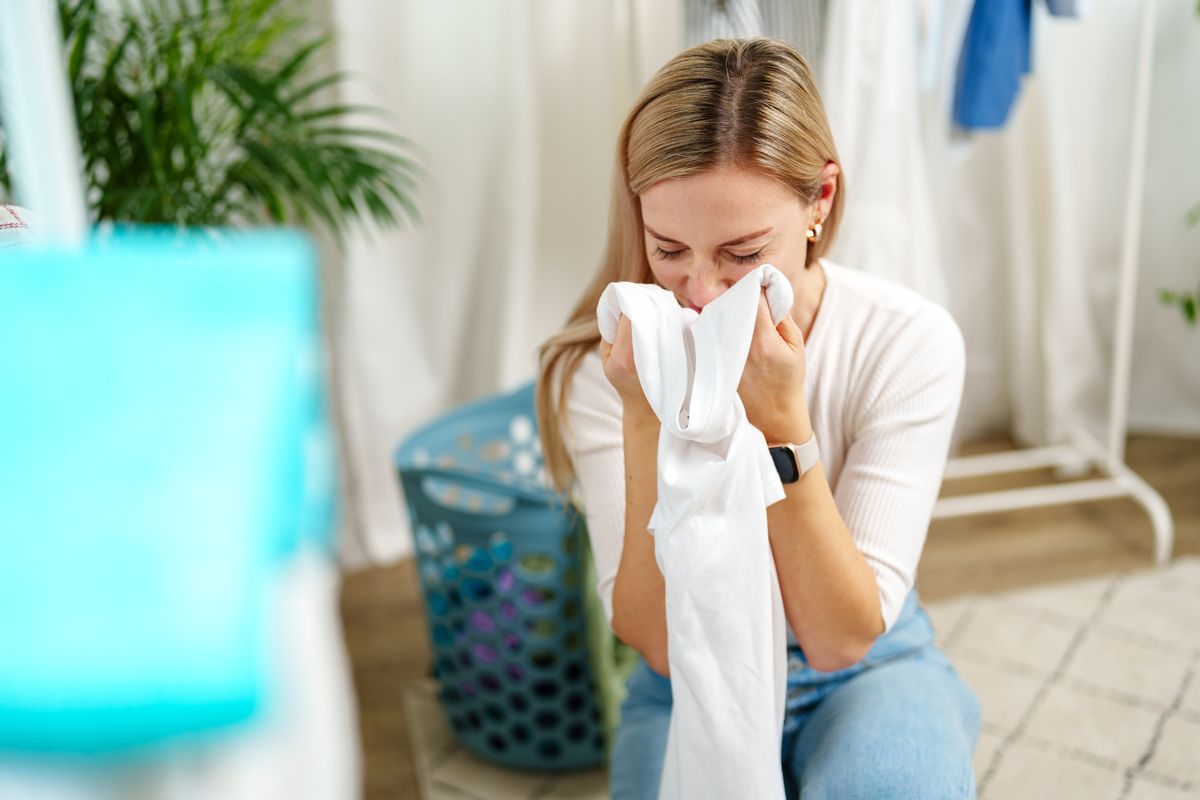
[210, 113]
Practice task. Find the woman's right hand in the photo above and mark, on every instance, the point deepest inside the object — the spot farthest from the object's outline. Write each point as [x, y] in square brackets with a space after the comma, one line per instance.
[621, 371]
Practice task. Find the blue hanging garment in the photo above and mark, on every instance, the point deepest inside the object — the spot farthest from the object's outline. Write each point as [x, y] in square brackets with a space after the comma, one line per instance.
[995, 56]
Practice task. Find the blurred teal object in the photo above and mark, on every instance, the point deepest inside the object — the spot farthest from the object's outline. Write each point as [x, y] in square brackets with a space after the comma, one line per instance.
[163, 450]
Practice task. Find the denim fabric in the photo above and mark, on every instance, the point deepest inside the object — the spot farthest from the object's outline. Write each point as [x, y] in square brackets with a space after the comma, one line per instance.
[899, 723]
[995, 55]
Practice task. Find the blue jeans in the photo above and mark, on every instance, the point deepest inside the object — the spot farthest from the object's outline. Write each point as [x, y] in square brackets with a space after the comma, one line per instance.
[898, 724]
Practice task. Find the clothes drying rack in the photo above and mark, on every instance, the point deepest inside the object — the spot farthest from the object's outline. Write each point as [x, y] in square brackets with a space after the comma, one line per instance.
[1084, 451]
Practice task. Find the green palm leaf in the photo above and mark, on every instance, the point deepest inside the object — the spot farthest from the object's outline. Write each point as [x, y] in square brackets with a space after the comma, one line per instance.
[206, 112]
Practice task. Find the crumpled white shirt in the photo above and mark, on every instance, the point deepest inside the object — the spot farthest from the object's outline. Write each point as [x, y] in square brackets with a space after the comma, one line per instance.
[726, 630]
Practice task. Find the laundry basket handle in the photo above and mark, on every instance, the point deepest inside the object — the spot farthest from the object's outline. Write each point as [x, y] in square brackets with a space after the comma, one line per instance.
[524, 498]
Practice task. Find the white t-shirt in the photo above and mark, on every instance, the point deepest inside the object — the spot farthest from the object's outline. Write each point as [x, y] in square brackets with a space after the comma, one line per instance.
[884, 381]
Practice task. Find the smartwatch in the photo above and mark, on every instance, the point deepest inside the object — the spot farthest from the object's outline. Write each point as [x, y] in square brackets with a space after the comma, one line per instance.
[793, 460]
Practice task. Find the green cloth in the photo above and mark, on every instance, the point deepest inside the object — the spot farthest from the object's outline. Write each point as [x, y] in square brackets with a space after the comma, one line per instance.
[611, 659]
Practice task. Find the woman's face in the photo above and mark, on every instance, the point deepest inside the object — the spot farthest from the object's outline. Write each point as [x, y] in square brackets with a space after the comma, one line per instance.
[706, 231]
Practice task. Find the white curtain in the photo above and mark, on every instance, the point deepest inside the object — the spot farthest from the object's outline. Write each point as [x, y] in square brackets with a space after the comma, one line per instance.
[1165, 386]
[1030, 224]
[870, 85]
[516, 106]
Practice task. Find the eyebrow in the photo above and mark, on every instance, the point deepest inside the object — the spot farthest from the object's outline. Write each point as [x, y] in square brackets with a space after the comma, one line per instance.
[738, 240]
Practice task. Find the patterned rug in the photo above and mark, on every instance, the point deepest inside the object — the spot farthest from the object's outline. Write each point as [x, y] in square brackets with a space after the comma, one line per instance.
[1090, 690]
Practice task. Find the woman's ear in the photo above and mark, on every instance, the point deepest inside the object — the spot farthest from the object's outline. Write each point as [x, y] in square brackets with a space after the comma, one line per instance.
[828, 189]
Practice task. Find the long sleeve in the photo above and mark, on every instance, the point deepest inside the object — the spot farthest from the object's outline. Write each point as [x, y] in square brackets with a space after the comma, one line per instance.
[899, 438]
[595, 443]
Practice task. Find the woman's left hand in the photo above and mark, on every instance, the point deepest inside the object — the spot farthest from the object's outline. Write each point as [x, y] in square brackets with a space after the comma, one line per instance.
[772, 385]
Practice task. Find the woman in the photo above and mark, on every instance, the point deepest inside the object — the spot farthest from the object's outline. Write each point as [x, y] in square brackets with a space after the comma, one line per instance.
[724, 163]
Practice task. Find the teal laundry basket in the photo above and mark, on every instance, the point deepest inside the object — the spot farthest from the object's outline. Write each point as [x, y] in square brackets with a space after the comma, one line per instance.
[500, 557]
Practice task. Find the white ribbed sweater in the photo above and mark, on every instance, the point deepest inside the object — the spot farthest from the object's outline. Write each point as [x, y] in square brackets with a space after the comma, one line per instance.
[883, 385]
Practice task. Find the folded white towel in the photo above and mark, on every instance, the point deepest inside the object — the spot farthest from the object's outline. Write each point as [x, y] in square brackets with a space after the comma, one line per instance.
[726, 632]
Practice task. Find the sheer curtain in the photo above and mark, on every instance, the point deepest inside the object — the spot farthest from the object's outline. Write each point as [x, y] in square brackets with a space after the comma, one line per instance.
[870, 84]
[516, 107]
[1030, 225]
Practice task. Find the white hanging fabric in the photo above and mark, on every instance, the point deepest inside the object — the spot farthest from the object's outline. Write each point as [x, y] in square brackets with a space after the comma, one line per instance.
[796, 21]
[726, 631]
[509, 215]
[870, 87]
[709, 19]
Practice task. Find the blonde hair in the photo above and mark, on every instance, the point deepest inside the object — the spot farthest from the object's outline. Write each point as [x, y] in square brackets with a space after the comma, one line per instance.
[746, 102]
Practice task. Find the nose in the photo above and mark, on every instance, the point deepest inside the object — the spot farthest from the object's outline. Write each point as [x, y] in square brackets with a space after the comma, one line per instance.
[704, 286]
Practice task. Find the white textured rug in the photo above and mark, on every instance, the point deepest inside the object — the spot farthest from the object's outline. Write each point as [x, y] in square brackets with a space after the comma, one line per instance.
[1090, 690]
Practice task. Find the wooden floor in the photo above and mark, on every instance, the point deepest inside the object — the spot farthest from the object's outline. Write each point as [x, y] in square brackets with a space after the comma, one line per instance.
[387, 640]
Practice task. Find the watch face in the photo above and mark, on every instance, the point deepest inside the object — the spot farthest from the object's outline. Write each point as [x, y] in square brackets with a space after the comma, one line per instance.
[785, 464]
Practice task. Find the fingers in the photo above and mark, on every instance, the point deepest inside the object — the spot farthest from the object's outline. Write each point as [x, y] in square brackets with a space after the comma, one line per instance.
[763, 323]
[624, 336]
[621, 345]
[619, 365]
[790, 331]
[619, 342]
[787, 329]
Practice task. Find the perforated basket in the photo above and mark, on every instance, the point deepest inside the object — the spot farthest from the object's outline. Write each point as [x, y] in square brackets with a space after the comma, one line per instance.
[499, 557]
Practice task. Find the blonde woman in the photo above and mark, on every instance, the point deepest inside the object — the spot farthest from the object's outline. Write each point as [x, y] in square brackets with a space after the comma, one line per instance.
[726, 162]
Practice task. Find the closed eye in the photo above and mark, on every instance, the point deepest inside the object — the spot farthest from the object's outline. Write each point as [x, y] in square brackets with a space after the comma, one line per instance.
[671, 254]
[746, 259]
